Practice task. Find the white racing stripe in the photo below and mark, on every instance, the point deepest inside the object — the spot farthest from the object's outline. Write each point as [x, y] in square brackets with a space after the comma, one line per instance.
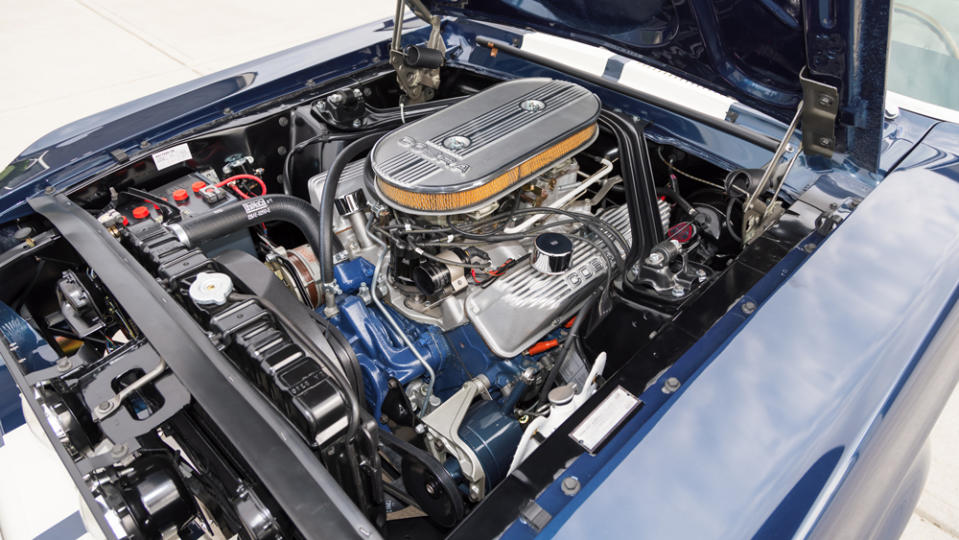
[634, 74]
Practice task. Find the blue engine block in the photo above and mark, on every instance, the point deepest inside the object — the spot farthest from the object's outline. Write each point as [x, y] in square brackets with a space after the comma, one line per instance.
[455, 356]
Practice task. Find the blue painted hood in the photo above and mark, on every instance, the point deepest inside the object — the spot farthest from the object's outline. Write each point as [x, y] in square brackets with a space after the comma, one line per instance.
[752, 50]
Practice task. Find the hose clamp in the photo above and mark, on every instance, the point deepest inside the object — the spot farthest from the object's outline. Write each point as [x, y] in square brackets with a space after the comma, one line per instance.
[332, 287]
[180, 234]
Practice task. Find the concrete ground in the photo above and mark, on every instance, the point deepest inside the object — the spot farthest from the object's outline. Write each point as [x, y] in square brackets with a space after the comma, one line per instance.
[61, 60]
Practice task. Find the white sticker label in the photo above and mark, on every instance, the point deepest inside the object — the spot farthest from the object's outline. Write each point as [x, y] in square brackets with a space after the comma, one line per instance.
[255, 208]
[172, 156]
[605, 418]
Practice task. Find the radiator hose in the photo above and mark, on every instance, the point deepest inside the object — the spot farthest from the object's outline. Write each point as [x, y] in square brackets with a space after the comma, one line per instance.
[316, 225]
[247, 213]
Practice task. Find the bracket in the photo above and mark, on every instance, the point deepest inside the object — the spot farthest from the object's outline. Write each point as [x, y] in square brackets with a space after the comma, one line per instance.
[418, 83]
[820, 107]
[443, 438]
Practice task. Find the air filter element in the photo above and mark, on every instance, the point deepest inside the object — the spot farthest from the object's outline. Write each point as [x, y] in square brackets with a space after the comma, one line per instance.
[479, 150]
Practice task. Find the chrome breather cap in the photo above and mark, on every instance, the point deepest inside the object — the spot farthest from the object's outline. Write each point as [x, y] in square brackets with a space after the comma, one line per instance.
[552, 253]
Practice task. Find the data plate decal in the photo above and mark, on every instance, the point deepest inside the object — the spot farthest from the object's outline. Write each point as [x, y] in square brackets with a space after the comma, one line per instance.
[593, 431]
[172, 156]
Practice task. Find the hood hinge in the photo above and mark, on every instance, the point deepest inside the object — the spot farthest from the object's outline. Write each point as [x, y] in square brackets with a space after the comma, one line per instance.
[819, 111]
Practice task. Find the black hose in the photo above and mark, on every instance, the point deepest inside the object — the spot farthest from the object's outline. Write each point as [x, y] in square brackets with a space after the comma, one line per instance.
[678, 199]
[348, 154]
[286, 182]
[381, 120]
[729, 219]
[321, 138]
[242, 214]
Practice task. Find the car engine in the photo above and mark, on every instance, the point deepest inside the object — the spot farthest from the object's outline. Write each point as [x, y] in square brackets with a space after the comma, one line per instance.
[414, 306]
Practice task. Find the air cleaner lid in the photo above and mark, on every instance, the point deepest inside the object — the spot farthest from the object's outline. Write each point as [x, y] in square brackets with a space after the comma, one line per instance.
[483, 147]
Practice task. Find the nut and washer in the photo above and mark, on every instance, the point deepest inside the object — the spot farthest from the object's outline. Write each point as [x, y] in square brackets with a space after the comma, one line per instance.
[532, 105]
[655, 258]
[670, 385]
[456, 142]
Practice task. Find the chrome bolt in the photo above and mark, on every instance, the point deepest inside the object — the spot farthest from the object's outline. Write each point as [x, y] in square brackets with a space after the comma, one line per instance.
[335, 99]
[701, 274]
[670, 385]
[810, 247]
[570, 485]
[824, 141]
[119, 450]
[357, 123]
[678, 291]
[749, 307]
[474, 493]
[825, 100]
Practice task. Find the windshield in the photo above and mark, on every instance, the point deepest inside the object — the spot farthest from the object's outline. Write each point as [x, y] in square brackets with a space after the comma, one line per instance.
[924, 55]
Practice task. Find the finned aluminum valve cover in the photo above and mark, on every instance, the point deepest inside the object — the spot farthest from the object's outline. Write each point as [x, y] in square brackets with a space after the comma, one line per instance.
[480, 149]
[518, 309]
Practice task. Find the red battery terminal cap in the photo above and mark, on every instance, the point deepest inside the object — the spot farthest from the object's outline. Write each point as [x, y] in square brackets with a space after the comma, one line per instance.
[197, 186]
[140, 212]
[180, 195]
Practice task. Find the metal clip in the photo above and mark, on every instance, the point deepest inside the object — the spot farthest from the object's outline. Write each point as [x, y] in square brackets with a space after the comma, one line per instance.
[111, 405]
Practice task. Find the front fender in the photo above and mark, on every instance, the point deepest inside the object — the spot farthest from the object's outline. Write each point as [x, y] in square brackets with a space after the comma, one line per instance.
[806, 421]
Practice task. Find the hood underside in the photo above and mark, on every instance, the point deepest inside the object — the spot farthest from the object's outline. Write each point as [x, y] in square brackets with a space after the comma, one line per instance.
[751, 50]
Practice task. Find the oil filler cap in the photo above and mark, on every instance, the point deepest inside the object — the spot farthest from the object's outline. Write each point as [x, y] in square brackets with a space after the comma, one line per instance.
[552, 253]
[211, 289]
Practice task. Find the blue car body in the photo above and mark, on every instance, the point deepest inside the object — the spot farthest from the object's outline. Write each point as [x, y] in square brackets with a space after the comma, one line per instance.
[804, 411]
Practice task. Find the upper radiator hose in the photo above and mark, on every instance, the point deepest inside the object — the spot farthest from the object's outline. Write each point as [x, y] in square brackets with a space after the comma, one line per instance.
[250, 212]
